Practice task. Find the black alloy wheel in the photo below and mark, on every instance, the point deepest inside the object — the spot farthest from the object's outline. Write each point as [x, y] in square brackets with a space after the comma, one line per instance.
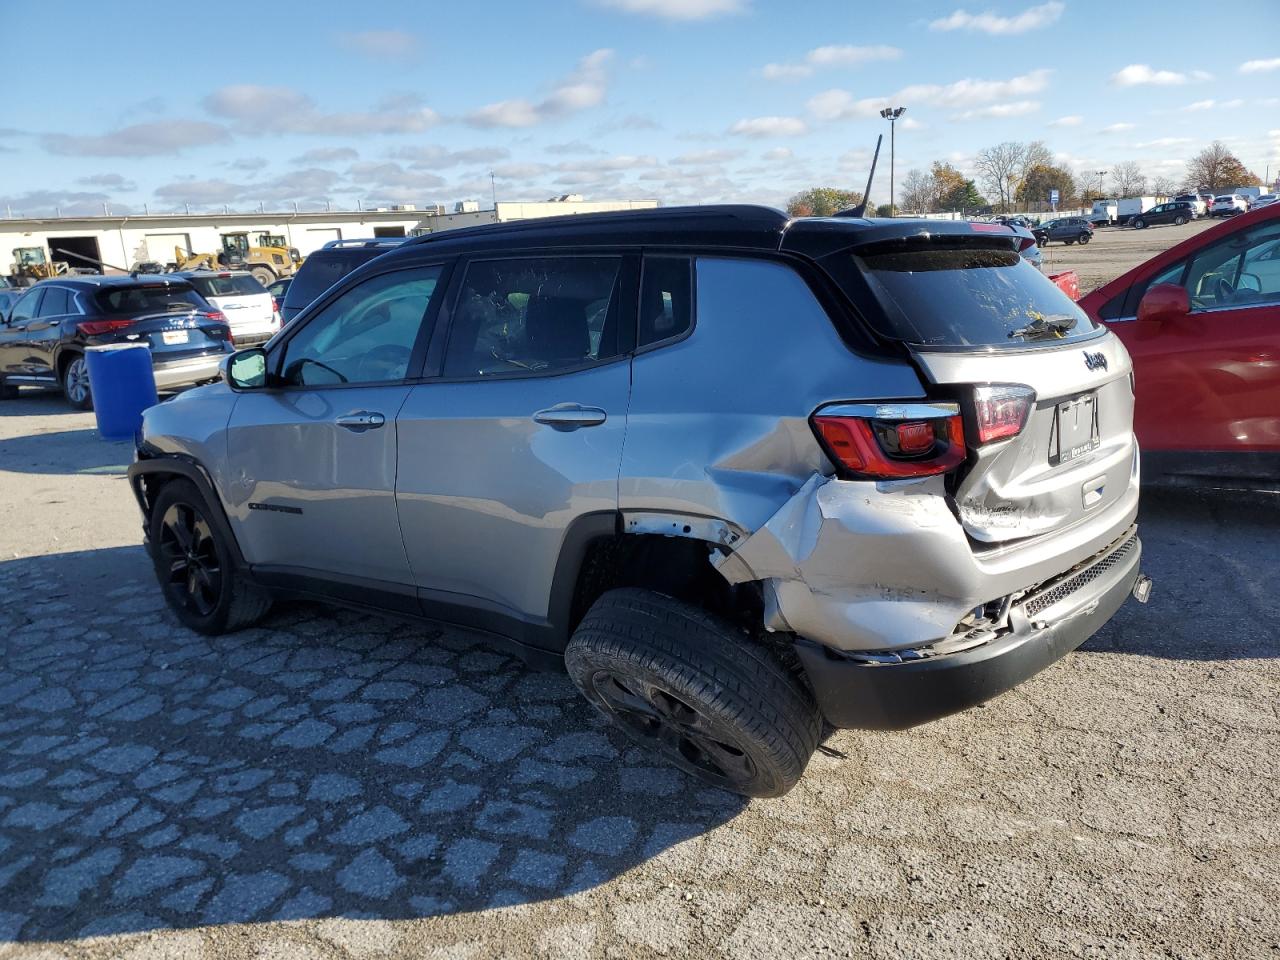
[190, 557]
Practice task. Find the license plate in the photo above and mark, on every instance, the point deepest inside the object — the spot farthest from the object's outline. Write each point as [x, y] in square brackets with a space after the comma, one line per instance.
[1075, 429]
[171, 337]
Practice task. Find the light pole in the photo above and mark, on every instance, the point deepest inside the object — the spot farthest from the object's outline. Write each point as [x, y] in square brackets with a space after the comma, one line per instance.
[1101, 174]
[891, 114]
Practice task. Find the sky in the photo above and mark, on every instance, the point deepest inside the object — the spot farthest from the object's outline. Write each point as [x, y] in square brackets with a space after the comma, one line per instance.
[685, 101]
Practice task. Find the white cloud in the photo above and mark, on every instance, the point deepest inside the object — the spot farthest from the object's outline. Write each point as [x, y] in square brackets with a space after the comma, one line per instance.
[382, 44]
[1231, 104]
[778, 154]
[841, 105]
[139, 140]
[328, 155]
[1260, 66]
[1163, 142]
[701, 157]
[582, 89]
[1017, 108]
[1141, 74]
[1071, 120]
[829, 56]
[262, 109]
[1118, 127]
[770, 127]
[678, 9]
[1033, 18]
[911, 123]
[1200, 105]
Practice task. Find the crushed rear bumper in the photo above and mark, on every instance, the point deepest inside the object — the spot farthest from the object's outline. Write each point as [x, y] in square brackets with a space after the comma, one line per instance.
[863, 691]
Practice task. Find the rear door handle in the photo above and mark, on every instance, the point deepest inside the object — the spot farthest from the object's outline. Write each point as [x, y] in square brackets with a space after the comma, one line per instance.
[362, 421]
[570, 416]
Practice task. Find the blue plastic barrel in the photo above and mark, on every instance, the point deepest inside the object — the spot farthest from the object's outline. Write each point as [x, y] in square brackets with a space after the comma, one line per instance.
[122, 384]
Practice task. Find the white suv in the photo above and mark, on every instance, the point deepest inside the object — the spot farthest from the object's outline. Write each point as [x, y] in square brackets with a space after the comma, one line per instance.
[1227, 205]
[249, 308]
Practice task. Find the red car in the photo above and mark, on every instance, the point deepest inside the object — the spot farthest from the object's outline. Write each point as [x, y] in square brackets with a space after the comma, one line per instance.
[1202, 323]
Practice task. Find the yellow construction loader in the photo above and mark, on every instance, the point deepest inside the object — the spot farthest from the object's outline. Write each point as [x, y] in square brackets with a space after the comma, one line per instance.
[267, 263]
[31, 263]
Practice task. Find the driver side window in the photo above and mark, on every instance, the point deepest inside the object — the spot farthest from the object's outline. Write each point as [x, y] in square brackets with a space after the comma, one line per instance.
[1237, 272]
[367, 335]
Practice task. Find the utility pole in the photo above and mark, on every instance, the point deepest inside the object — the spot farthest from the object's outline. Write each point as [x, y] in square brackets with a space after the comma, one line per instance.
[493, 185]
[891, 114]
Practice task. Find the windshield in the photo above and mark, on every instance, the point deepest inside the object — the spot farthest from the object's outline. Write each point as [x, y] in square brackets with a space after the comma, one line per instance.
[148, 298]
[960, 294]
[322, 270]
[237, 286]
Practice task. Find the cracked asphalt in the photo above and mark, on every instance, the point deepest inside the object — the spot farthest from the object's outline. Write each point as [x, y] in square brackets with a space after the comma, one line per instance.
[332, 785]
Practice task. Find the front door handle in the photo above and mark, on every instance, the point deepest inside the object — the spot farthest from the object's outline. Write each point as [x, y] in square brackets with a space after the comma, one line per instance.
[570, 416]
[362, 421]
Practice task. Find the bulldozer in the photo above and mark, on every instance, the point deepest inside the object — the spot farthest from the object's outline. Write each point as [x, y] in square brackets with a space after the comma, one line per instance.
[31, 264]
[267, 262]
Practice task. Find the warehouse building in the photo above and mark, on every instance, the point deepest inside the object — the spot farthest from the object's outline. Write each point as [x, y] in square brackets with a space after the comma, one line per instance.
[121, 242]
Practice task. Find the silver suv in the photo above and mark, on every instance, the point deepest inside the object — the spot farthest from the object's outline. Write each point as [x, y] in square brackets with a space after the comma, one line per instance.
[737, 473]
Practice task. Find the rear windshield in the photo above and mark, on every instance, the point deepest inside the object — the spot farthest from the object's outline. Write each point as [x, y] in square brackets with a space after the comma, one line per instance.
[967, 294]
[148, 298]
[241, 286]
[322, 270]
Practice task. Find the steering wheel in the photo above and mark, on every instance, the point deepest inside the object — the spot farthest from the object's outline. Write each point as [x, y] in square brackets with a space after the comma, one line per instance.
[389, 361]
[1223, 291]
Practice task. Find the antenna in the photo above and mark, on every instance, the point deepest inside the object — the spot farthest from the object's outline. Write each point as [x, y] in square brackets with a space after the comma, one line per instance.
[861, 209]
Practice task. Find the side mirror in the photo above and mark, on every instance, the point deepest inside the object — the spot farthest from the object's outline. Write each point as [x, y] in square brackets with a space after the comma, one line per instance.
[246, 369]
[1164, 301]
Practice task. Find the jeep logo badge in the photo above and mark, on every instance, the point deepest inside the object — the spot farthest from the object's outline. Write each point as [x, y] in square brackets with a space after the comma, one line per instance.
[1095, 361]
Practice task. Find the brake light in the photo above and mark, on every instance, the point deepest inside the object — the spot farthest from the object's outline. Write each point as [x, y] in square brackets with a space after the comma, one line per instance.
[94, 328]
[217, 316]
[892, 441]
[1001, 410]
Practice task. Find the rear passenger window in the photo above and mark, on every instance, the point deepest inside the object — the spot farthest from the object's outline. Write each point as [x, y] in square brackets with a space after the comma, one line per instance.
[535, 315]
[56, 302]
[666, 298]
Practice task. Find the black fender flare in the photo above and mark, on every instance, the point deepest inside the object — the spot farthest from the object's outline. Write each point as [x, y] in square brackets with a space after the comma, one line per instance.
[188, 468]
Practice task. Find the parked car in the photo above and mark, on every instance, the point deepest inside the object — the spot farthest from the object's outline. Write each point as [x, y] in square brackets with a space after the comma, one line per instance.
[278, 289]
[43, 339]
[8, 296]
[249, 308]
[1208, 202]
[1198, 206]
[327, 266]
[1265, 200]
[1202, 322]
[1069, 230]
[896, 506]
[1228, 205]
[1176, 212]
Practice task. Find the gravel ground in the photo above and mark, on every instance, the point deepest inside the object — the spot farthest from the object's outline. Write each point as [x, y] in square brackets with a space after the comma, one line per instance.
[1114, 250]
[332, 785]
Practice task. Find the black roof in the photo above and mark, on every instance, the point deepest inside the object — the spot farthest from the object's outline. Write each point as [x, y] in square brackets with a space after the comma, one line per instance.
[725, 226]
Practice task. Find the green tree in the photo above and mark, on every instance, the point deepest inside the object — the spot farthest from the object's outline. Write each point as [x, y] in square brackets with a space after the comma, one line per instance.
[1040, 179]
[884, 210]
[822, 201]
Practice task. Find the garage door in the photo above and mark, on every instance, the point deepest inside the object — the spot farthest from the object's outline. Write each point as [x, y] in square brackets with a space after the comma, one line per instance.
[160, 245]
[317, 237]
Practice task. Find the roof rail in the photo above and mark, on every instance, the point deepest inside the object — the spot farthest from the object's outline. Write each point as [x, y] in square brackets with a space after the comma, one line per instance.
[365, 242]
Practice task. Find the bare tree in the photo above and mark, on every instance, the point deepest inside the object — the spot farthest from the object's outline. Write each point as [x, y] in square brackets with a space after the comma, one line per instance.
[1035, 154]
[1216, 168]
[919, 192]
[1128, 179]
[1163, 186]
[1000, 169]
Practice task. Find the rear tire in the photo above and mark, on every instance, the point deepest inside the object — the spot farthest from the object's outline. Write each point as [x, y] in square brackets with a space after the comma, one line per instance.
[1139, 224]
[196, 567]
[263, 275]
[75, 383]
[1068, 242]
[1084, 238]
[1179, 221]
[696, 690]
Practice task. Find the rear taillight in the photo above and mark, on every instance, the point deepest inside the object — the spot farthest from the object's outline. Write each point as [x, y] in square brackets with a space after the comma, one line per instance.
[217, 316]
[94, 328]
[1001, 410]
[892, 441]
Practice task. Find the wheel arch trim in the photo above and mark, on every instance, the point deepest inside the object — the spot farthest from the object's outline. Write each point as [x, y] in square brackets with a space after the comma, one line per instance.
[187, 468]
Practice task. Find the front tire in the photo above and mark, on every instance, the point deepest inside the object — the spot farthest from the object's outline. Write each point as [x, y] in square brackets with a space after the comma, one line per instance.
[75, 383]
[195, 566]
[263, 275]
[1179, 221]
[696, 690]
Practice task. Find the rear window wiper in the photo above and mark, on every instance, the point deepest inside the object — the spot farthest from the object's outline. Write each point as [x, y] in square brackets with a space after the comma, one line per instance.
[1051, 327]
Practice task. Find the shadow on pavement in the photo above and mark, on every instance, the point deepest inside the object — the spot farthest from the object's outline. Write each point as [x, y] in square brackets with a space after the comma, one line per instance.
[34, 402]
[1213, 557]
[323, 764]
[65, 452]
